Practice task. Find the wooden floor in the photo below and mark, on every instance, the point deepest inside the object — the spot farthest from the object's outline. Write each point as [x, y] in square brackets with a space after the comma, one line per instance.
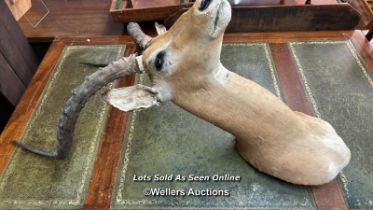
[101, 186]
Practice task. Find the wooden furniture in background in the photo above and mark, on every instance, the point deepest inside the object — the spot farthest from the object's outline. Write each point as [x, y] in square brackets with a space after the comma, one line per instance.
[17, 60]
[91, 18]
[294, 18]
[255, 15]
[71, 18]
[145, 10]
[288, 18]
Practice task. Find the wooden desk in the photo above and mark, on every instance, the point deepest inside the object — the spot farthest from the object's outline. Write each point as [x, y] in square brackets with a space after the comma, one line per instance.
[100, 190]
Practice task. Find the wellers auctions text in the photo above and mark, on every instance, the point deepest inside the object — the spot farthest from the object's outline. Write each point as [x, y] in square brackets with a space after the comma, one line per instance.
[189, 192]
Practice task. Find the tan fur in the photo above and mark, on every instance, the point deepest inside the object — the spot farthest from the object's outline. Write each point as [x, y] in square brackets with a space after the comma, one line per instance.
[276, 140]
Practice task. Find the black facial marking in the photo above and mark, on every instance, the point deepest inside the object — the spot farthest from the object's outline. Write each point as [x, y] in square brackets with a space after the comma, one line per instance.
[159, 60]
[204, 4]
[216, 20]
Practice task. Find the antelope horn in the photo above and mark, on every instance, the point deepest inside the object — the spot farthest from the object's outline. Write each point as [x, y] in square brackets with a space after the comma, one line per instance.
[138, 36]
[80, 96]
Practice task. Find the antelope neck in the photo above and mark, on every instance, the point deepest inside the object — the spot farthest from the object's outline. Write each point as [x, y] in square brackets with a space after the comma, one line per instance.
[238, 106]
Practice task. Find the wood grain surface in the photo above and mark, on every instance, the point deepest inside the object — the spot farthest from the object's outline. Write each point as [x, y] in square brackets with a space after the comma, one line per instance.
[84, 18]
[289, 17]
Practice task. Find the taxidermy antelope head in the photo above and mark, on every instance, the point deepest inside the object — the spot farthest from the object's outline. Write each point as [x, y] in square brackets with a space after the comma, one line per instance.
[184, 67]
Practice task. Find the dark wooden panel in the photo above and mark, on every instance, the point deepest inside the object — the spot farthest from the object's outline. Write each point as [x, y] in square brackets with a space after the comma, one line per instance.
[19, 40]
[14, 46]
[365, 11]
[10, 85]
[287, 18]
[293, 18]
[14, 58]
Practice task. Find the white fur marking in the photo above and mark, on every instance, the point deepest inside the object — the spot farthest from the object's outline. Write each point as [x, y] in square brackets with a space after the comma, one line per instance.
[220, 75]
[164, 90]
[332, 171]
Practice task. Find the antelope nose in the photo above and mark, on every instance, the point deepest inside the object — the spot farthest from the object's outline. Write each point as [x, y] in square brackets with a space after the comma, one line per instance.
[204, 5]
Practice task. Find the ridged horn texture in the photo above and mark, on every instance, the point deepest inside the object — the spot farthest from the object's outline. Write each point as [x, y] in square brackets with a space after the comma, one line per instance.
[138, 36]
[76, 102]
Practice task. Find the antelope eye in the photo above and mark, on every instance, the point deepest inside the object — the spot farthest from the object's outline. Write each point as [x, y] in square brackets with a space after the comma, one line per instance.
[159, 60]
[204, 4]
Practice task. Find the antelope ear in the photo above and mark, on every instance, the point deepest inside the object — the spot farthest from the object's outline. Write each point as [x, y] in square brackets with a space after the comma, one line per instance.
[134, 98]
[161, 29]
